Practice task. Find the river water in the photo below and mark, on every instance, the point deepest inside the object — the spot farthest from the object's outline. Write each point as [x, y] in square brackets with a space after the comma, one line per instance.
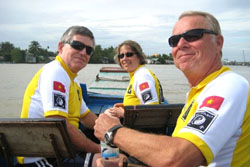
[15, 77]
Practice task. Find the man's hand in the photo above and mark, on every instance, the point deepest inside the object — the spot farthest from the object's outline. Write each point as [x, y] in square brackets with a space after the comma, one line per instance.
[103, 124]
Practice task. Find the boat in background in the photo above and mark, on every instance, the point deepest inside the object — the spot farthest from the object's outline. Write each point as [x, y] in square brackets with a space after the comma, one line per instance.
[107, 89]
[111, 81]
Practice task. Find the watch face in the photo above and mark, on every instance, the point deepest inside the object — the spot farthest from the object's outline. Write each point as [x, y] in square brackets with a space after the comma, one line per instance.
[108, 137]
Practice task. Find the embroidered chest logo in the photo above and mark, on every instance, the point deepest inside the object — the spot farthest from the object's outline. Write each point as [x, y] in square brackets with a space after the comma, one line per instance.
[78, 93]
[184, 116]
[129, 89]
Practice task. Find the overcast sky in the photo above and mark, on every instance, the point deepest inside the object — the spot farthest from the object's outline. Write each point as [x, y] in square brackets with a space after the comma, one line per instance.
[149, 22]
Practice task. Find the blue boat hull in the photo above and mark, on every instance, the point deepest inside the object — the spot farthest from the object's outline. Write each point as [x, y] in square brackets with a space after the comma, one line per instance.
[97, 102]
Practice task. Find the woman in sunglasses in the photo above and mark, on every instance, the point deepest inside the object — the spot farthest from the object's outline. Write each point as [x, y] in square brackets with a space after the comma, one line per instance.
[144, 87]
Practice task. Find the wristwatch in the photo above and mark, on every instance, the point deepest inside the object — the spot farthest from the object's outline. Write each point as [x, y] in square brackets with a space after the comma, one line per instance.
[109, 135]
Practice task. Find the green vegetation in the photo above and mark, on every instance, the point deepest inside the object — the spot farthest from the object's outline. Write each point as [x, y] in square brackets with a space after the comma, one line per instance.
[36, 54]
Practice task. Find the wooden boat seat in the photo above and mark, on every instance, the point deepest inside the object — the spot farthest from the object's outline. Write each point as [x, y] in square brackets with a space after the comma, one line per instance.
[160, 118]
[35, 138]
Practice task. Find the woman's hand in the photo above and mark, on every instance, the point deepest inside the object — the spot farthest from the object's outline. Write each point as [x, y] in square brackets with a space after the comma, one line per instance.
[115, 112]
[119, 105]
[122, 159]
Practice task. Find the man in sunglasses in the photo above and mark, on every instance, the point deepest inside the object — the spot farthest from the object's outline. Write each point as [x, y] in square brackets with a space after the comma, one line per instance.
[54, 92]
[214, 126]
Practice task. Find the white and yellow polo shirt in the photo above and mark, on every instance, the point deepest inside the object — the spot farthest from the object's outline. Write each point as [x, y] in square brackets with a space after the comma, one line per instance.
[54, 90]
[216, 118]
[144, 88]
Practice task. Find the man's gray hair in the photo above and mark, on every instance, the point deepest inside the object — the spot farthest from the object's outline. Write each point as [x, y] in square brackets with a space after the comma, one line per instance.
[211, 20]
[76, 30]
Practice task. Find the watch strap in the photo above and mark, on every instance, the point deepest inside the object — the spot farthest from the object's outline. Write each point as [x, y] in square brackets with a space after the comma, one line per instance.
[112, 131]
[115, 128]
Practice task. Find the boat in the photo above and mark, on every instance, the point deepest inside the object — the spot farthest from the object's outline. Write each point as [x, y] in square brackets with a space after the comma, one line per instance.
[110, 80]
[107, 89]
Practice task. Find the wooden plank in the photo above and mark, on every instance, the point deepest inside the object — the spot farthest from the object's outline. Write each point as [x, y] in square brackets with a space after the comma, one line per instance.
[152, 119]
[144, 117]
[32, 137]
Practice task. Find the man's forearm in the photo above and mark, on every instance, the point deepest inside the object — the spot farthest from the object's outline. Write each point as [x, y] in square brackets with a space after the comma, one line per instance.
[154, 150]
[89, 120]
[157, 150]
[134, 143]
[81, 142]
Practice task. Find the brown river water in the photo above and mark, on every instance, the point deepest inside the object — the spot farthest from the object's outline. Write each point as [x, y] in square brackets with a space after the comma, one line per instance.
[15, 77]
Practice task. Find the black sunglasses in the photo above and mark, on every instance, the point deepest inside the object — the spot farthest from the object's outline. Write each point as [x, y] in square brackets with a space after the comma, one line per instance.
[129, 54]
[80, 46]
[190, 36]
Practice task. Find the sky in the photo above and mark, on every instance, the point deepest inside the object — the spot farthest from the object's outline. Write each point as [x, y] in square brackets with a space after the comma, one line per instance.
[149, 22]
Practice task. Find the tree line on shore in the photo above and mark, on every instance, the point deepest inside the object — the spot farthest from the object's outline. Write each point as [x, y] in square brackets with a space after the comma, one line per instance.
[36, 54]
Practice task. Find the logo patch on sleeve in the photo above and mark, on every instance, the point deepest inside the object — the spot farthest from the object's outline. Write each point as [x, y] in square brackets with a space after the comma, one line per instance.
[59, 100]
[143, 86]
[202, 121]
[146, 96]
[59, 86]
[212, 102]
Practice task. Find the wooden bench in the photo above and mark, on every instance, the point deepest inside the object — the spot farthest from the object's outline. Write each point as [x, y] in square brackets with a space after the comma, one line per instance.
[35, 138]
[49, 137]
[159, 119]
